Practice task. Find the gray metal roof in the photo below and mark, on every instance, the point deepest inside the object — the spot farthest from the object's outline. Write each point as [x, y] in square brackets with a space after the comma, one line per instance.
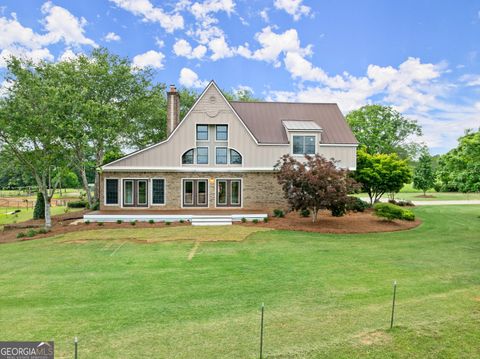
[299, 125]
[266, 120]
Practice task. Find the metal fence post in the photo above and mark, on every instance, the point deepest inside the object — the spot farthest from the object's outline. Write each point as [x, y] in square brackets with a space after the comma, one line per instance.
[393, 303]
[76, 347]
[261, 331]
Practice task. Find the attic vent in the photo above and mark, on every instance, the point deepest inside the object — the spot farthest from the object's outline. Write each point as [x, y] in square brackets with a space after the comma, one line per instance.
[213, 99]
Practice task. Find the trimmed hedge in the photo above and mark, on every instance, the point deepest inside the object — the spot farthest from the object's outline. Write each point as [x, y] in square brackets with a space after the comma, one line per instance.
[390, 212]
[77, 204]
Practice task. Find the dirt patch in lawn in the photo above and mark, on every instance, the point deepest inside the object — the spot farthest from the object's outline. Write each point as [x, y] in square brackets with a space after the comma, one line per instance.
[426, 196]
[374, 338]
[360, 222]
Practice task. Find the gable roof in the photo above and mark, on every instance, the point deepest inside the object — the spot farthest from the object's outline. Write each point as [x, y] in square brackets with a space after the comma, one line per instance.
[265, 120]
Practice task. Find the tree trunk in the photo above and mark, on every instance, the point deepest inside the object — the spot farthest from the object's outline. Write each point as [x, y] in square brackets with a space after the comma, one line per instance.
[314, 214]
[83, 175]
[48, 214]
[98, 161]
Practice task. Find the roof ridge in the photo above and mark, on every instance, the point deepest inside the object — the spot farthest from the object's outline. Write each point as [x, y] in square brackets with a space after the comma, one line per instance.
[288, 102]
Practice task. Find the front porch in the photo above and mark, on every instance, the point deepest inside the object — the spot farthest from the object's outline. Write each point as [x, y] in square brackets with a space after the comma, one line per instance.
[194, 216]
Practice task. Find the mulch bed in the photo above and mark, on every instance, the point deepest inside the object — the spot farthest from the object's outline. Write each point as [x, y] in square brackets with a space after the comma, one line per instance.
[364, 222]
[359, 222]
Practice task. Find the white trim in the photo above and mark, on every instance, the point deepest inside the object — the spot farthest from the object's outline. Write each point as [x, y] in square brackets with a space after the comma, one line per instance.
[304, 135]
[105, 191]
[208, 132]
[164, 192]
[228, 130]
[206, 194]
[338, 145]
[212, 83]
[227, 156]
[233, 168]
[241, 191]
[196, 155]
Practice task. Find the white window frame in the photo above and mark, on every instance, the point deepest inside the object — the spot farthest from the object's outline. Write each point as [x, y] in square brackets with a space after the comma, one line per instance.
[196, 131]
[227, 156]
[208, 155]
[146, 192]
[164, 191]
[303, 135]
[124, 181]
[228, 134]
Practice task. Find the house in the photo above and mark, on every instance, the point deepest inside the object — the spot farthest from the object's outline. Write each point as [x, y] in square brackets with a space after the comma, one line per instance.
[222, 155]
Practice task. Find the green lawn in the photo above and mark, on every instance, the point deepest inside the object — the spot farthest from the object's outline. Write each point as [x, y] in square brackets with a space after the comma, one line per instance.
[326, 296]
[24, 215]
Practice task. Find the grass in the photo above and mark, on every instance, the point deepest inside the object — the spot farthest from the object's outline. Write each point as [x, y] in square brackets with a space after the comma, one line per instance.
[326, 296]
[25, 214]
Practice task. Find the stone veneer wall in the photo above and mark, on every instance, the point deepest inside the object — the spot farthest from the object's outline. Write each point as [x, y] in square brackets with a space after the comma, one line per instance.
[261, 190]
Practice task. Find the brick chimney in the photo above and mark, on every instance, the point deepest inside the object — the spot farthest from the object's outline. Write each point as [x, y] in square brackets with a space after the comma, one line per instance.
[173, 109]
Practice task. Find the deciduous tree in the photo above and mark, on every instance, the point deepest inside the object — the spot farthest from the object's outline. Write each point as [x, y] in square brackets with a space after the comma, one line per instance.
[314, 184]
[424, 175]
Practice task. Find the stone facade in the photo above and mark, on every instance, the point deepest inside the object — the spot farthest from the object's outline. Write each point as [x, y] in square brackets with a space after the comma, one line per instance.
[260, 190]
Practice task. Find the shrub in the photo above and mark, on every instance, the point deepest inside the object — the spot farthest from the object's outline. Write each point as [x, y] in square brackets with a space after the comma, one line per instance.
[278, 213]
[39, 211]
[94, 207]
[355, 204]
[401, 202]
[21, 235]
[305, 212]
[408, 215]
[133, 223]
[244, 220]
[99, 223]
[338, 209]
[31, 233]
[168, 223]
[77, 204]
[265, 219]
[389, 211]
[151, 221]
[255, 221]
[182, 221]
[119, 221]
[87, 221]
[42, 231]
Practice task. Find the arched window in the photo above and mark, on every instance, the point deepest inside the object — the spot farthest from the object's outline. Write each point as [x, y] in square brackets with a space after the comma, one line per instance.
[235, 157]
[187, 157]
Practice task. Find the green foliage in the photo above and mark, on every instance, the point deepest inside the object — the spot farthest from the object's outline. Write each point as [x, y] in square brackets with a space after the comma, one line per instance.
[119, 221]
[31, 233]
[133, 223]
[168, 223]
[278, 213]
[43, 231]
[424, 176]
[265, 219]
[244, 220]
[70, 180]
[39, 210]
[381, 129]
[459, 169]
[381, 173]
[338, 209]
[151, 221]
[77, 204]
[356, 204]
[390, 212]
[243, 95]
[255, 221]
[21, 235]
[305, 212]
[100, 224]
[87, 221]
[182, 221]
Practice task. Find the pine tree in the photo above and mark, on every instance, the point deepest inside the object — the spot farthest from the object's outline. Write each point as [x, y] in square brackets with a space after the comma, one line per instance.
[424, 176]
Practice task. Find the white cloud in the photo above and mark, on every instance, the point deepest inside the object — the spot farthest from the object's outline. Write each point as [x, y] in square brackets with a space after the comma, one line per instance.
[63, 26]
[149, 13]
[183, 48]
[264, 15]
[35, 55]
[220, 49]
[111, 36]
[293, 7]
[67, 55]
[159, 42]
[471, 80]
[150, 58]
[273, 45]
[204, 9]
[189, 78]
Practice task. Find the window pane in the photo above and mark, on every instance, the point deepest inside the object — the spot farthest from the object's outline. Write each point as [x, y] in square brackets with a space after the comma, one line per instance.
[235, 158]
[310, 145]
[142, 192]
[112, 191]
[202, 192]
[158, 191]
[298, 145]
[222, 133]
[128, 192]
[222, 192]
[188, 192]
[221, 155]
[202, 132]
[235, 194]
[187, 158]
[202, 155]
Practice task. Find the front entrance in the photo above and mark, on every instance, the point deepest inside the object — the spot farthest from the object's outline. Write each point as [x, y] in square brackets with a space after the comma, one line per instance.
[195, 193]
[135, 193]
[229, 193]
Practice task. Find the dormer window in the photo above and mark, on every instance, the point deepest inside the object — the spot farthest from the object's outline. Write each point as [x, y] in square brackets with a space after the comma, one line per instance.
[202, 132]
[221, 133]
[303, 145]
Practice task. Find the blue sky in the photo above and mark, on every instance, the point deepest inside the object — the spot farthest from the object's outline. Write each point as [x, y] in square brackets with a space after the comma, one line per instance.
[422, 57]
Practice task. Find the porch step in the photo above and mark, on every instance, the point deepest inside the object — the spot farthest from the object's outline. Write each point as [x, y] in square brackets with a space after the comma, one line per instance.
[211, 220]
